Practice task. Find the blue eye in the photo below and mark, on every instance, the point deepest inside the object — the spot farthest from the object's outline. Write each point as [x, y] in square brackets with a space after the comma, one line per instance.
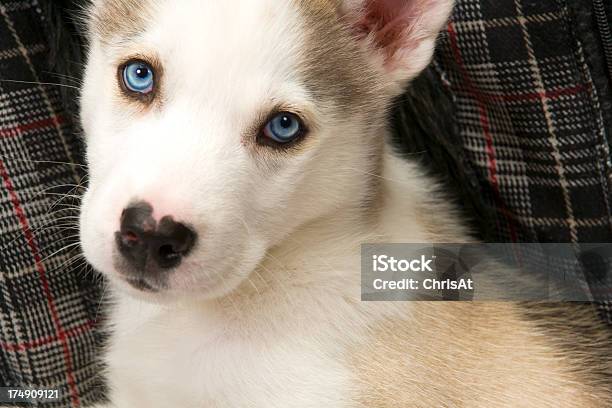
[284, 128]
[138, 77]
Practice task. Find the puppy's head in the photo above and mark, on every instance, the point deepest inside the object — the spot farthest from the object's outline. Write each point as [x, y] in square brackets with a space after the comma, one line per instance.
[216, 128]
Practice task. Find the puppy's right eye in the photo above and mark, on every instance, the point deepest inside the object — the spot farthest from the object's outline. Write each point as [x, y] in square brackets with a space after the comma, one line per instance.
[138, 77]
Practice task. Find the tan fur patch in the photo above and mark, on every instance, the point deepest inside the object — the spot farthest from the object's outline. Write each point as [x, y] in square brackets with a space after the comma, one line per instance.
[581, 337]
[468, 355]
[340, 74]
[334, 67]
[120, 20]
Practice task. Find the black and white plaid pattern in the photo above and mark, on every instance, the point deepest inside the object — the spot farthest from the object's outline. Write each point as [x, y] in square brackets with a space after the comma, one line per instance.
[528, 114]
[530, 119]
[47, 302]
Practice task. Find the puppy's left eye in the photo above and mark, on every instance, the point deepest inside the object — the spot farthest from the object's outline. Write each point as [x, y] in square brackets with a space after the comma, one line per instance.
[138, 77]
[283, 128]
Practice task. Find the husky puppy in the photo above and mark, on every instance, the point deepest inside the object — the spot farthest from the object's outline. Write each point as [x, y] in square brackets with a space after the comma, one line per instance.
[237, 162]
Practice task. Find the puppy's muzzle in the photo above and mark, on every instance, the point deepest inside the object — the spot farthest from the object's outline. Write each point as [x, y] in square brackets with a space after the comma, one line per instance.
[149, 247]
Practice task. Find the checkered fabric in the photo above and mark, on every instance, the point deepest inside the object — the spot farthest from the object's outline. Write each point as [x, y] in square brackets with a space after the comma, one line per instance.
[47, 300]
[528, 114]
[530, 118]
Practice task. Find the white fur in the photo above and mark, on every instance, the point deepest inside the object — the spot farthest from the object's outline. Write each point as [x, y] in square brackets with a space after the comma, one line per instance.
[263, 311]
[281, 345]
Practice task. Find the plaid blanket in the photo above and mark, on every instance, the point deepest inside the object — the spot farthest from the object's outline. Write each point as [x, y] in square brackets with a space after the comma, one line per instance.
[48, 301]
[532, 96]
[530, 119]
[520, 105]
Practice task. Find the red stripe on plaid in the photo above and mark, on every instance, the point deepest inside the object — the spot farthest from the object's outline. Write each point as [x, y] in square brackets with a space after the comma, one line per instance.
[29, 127]
[72, 332]
[27, 231]
[528, 96]
[484, 121]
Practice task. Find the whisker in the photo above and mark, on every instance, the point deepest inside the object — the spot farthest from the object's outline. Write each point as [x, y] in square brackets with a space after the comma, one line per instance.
[15, 81]
[12, 158]
[71, 260]
[67, 195]
[71, 247]
[73, 79]
[34, 232]
[63, 185]
[104, 289]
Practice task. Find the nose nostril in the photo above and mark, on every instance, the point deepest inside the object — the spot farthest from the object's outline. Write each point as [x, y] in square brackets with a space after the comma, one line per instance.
[168, 253]
[130, 238]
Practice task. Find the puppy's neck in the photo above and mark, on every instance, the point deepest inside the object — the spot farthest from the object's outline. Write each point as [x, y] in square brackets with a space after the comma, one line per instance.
[328, 248]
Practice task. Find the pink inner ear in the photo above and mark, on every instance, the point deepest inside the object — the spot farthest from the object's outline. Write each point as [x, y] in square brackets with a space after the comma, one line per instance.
[392, 23]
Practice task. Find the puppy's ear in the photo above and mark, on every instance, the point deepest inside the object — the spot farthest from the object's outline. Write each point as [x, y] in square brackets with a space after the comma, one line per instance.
[401, 34]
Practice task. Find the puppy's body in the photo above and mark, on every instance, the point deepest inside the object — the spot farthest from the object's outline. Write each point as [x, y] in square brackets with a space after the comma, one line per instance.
[297, 335]
[265, 310]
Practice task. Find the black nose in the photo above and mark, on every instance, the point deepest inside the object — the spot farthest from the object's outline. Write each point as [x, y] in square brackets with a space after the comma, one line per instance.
[148, 244]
